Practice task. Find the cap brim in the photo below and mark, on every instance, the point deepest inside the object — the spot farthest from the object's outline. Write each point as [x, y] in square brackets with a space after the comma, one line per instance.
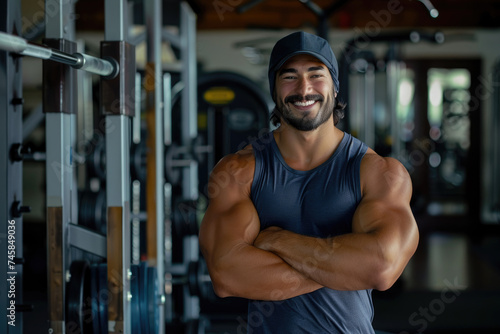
[314, 54]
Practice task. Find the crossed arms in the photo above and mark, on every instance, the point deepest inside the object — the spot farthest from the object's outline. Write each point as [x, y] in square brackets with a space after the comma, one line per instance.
[276, 264]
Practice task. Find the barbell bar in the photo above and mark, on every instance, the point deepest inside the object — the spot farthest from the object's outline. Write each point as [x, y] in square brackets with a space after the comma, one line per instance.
[104, 67]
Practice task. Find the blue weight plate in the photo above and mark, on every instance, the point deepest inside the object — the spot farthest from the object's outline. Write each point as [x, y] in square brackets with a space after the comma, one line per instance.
[143, 296]
[94, 295]
[134, 303]
[103, 295]
[153, 297]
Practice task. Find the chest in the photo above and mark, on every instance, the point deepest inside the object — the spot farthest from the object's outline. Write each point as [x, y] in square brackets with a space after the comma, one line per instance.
[318, 204]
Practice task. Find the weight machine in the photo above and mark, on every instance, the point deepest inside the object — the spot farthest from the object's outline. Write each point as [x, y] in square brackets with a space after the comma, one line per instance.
[89, 258]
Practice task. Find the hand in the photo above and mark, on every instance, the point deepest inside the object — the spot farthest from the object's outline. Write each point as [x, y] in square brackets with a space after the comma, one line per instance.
[267, 237]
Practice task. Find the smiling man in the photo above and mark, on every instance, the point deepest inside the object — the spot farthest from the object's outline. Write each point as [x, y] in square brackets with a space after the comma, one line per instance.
[307, 220]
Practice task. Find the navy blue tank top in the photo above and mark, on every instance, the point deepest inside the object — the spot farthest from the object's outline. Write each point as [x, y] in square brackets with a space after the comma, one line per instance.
[320, 203]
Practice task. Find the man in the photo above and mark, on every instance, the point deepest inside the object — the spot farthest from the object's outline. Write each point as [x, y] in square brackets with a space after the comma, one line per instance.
[307, 220]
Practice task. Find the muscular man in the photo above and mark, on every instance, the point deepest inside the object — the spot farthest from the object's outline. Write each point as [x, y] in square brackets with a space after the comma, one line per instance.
[307, 220]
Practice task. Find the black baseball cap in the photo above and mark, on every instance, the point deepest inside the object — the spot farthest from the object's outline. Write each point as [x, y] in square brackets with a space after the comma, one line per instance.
[302, 43]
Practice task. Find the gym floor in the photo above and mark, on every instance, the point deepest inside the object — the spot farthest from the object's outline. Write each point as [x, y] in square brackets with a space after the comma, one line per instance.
[451, 285]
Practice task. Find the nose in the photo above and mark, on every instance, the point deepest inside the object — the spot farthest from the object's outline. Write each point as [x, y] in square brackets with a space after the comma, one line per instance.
[303, 86]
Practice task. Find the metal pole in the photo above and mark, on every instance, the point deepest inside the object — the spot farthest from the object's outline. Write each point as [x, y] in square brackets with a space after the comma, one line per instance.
[153, 11]
[189, 127]
[59, 106]
[369, 105]
[116, 106]
[11, 177]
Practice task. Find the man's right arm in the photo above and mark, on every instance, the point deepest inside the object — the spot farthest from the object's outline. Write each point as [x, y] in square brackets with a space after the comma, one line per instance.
[227, 233]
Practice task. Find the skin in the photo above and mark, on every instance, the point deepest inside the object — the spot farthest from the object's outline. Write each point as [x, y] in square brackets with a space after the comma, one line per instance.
[276, 264]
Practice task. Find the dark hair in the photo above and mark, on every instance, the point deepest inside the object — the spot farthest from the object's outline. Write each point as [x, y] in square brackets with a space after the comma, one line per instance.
[338, 113]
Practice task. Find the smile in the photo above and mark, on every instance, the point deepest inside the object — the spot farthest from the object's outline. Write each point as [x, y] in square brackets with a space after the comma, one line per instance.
[304, 104]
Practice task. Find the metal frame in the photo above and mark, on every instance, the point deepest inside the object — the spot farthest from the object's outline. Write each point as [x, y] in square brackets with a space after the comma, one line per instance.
[189, 127]
[60, 125]
[11, 182]
[153, 10]
[118, 139]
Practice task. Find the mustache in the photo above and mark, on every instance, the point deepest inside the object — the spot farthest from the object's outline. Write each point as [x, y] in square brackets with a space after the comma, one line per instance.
[298, 98]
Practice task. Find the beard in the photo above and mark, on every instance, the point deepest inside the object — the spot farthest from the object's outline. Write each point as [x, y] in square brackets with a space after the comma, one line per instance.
[305, 123]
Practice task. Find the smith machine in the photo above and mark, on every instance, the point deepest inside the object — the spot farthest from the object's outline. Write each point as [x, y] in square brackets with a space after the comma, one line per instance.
[110, 248]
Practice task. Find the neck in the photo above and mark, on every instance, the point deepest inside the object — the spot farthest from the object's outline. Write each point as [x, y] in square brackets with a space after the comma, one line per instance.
[305, 150]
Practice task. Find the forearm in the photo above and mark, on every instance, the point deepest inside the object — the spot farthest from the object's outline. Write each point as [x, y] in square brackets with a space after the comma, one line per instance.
[252, 273]
[347, 262]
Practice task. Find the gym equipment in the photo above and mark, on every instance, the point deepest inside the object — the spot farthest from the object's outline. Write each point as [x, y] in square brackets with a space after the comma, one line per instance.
[138, 161]
[232, 111]
[104, 67]
[185, 217]
[99, 298]
[195, 276]
[92, 210]
[88, 299]
[78, 299]
[96, 160]
[178, 157]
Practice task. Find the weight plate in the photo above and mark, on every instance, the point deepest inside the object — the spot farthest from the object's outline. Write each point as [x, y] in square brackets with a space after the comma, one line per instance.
[185, 218]
[205, 287]
[138, 161]
[135, 301]
[143, 296]
[103, 298]
[94, 294]
[92, 210]
[153, 298]
[172, 173]
[78, 297]
[193, 278]
[97, 159]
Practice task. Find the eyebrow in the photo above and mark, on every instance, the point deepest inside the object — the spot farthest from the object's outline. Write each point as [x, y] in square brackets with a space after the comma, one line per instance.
[293, 70]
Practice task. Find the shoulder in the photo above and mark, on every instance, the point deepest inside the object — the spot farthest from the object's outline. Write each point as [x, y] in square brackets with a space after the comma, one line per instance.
[383, 175]
[233, 171]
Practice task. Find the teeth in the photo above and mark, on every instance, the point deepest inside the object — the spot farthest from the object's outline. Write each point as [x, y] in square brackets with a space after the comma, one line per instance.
[304, 104]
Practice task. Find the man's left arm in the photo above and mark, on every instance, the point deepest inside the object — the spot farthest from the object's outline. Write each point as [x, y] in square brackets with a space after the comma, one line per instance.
[383, 239]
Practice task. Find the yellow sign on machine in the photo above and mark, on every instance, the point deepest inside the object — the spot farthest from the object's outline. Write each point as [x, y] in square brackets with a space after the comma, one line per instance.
[219, 95]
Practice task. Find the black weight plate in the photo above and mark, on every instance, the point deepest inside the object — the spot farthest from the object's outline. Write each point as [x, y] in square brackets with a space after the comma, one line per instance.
[92, 210]
[138, 161]
[193, 282]
[78, 297]
[97, 159]
[94, 294]
[153, 298]
[135, 312]
[205, 286]
[172, 173]
[103, 298]
[143, 296]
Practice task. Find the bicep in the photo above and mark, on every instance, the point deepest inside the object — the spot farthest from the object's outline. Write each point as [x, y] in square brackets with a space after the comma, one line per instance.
[223, 229]
[384, 210]
[231, 218]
